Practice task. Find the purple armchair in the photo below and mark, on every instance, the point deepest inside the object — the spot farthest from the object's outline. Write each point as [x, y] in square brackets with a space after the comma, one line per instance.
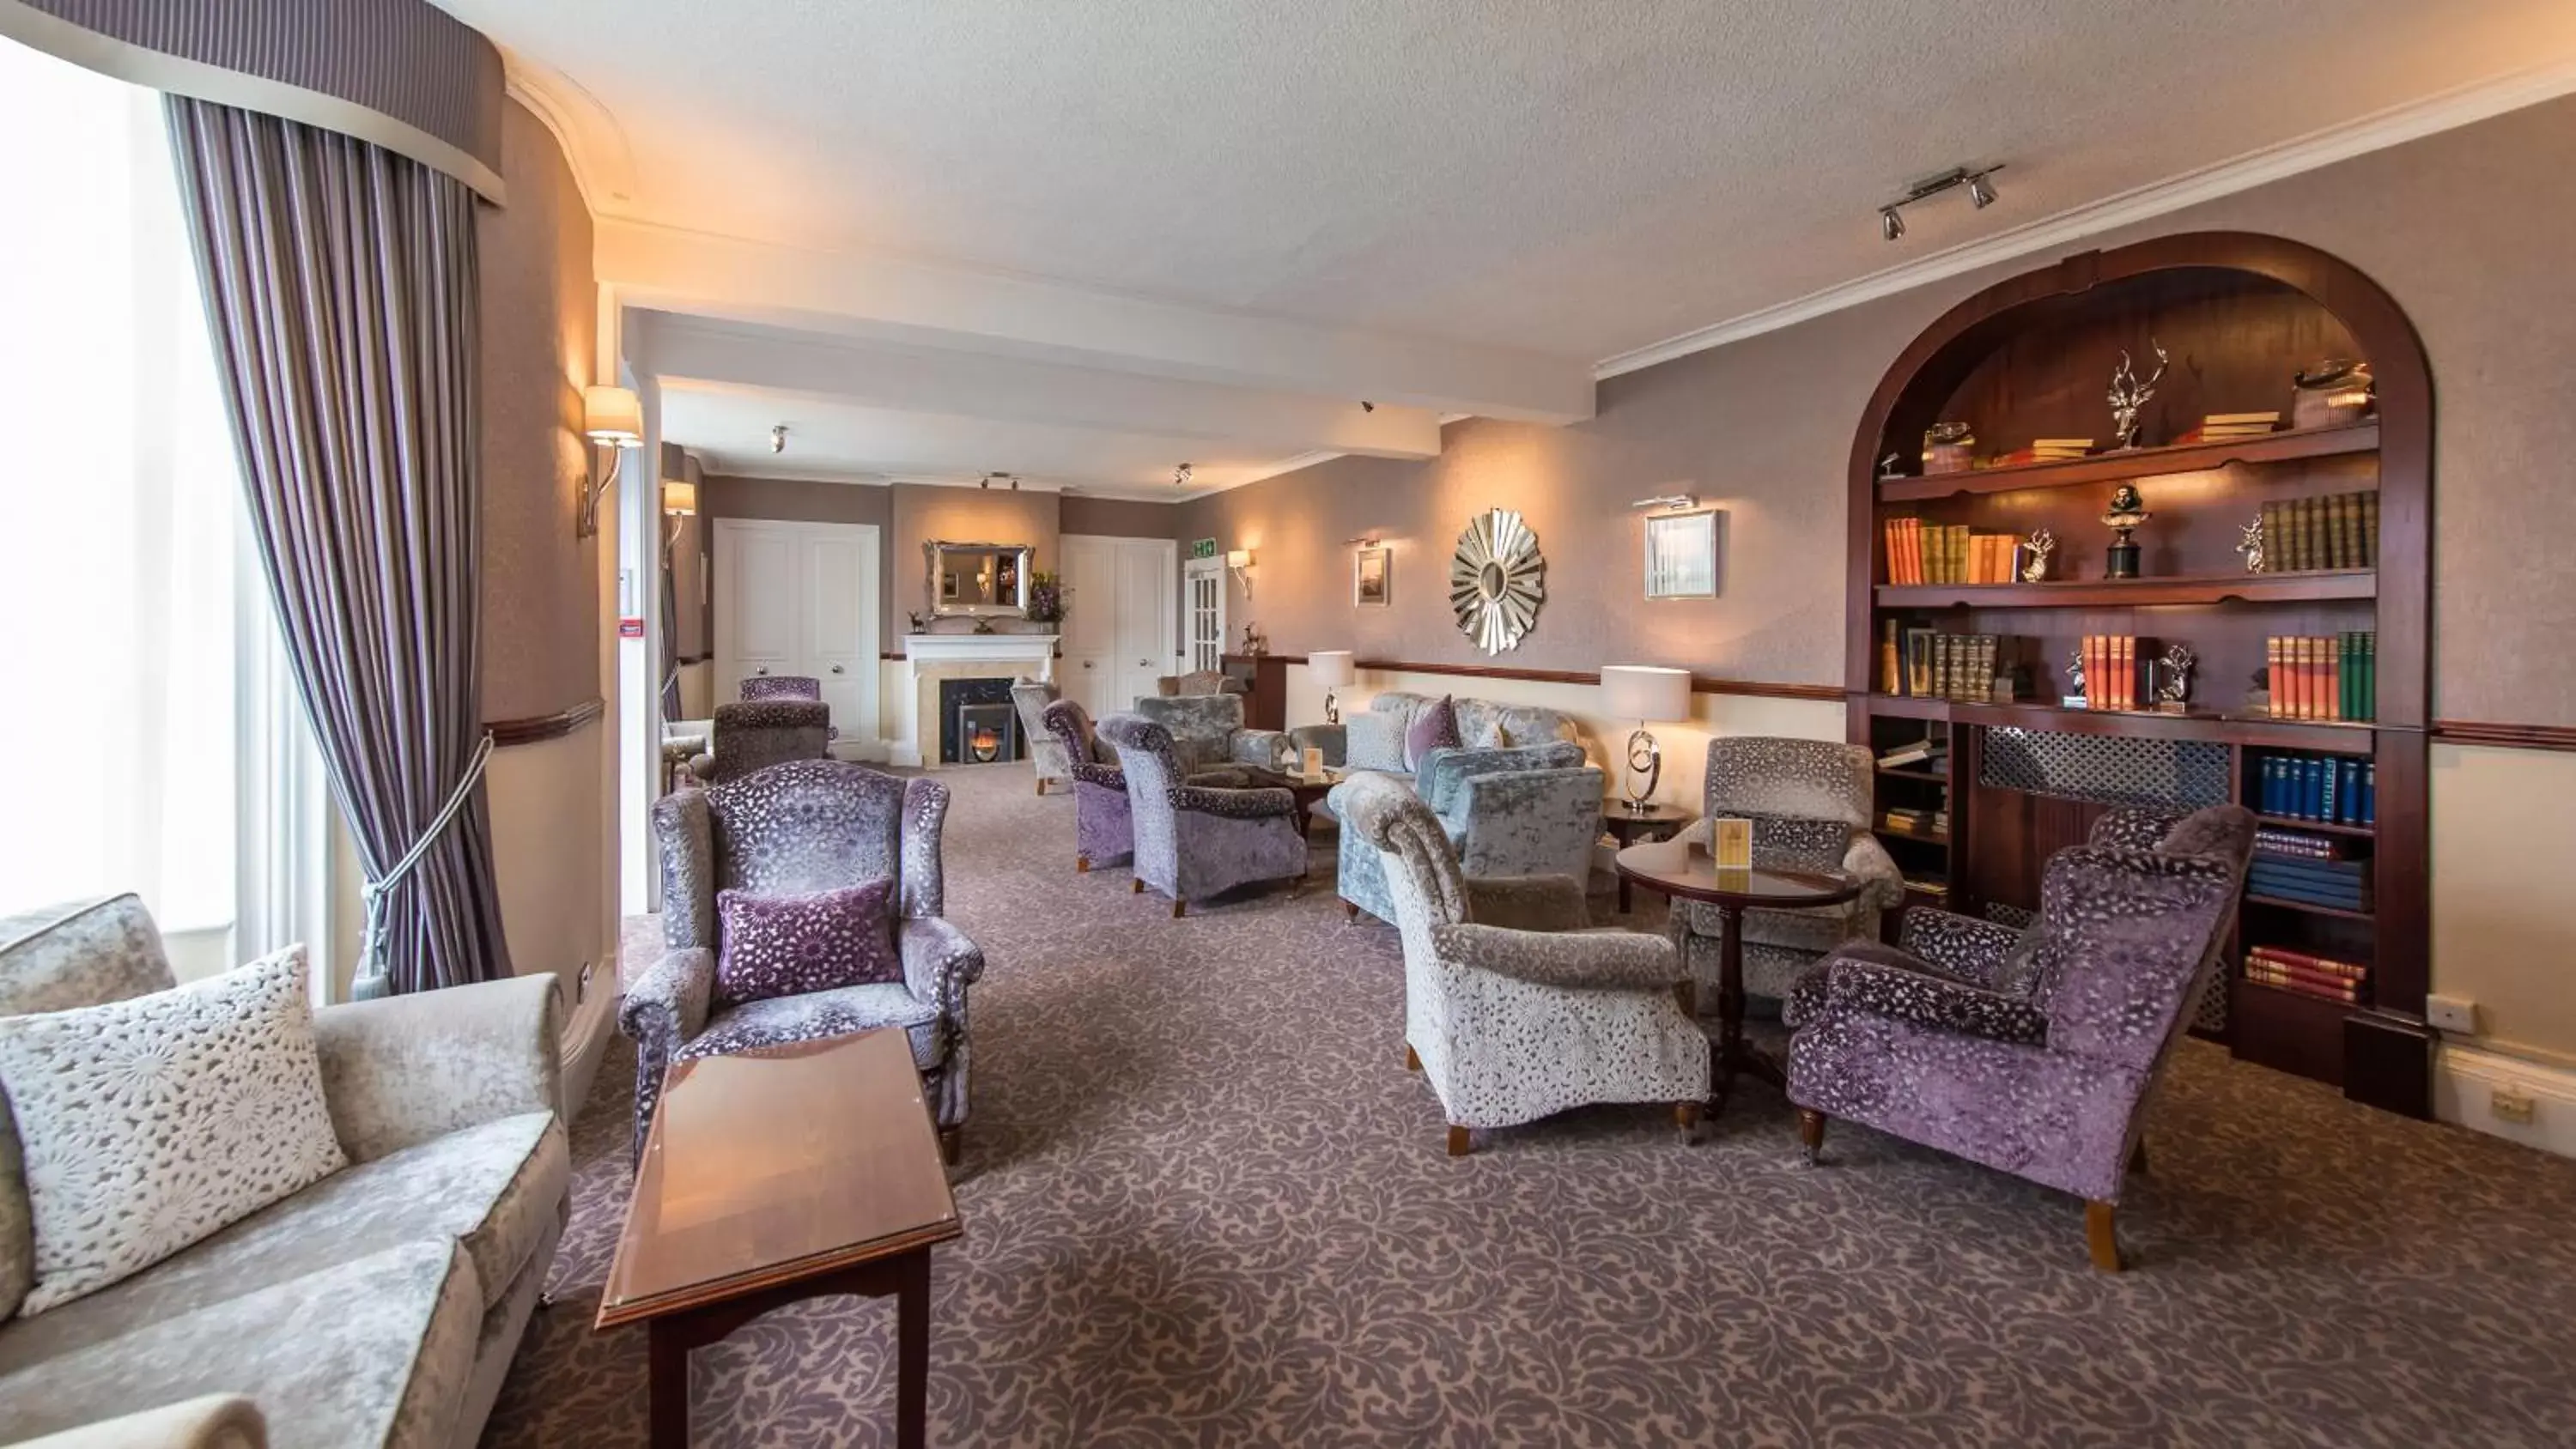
[2030, 1051]
[1194, 840]
[755, 734]
[787, 686]
[1104, 833]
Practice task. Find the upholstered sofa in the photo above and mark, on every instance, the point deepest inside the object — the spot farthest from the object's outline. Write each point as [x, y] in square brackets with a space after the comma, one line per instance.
[381, 1305]
[1208, 732]
[1526, 810]
[1373, 738]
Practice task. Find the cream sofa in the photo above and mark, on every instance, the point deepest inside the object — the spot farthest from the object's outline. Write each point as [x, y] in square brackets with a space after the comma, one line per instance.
[379, 1306]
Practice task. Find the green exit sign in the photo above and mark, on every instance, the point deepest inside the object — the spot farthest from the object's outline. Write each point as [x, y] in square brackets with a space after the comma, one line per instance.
[1203, 548]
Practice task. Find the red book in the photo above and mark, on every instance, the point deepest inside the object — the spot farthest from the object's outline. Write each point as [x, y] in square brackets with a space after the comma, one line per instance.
[2094, 678]
[2344, 994]
[2124, 672]
[2278, 674]
[2300, 973]
[2283, 956]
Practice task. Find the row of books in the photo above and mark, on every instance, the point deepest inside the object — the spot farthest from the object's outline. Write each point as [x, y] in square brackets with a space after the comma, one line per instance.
[2308, 975]
[2230, 427]
[2115, 671]
[1903, 820]
[1929, 664]
[2273, 840]
[2337, 531]
[2307, 787]
[2341, 884]
[2042, 450]
[1933, 755]
[1951, 553]
[2316, 676]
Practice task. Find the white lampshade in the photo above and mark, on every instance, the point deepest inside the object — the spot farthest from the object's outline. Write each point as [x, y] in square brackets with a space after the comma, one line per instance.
[1240, 558]
[1647, 692]
[679, 496]
[612, 415]
[1331, 667]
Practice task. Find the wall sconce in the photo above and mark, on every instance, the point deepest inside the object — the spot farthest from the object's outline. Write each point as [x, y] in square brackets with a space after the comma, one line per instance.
[613, 419]
[1240, 560]
[679, 497]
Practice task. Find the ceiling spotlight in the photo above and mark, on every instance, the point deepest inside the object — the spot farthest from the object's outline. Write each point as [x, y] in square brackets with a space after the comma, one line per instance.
[990, 479]
[1181, 476]
[1981, 192]
[778, 438]
[1890, 225]
[1366, 406]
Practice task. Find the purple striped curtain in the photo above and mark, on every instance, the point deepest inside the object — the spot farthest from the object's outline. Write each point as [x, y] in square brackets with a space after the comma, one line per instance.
[340, 283]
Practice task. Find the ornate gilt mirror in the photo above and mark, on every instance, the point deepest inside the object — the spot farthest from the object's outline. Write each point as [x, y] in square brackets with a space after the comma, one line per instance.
[1497, 580]
[978, 580]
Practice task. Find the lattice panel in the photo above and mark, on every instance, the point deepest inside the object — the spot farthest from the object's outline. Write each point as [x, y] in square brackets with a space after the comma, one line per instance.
[2107, 769]
[2013, 916]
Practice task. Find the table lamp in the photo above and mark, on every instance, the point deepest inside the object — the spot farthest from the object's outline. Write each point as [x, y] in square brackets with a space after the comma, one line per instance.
[1332, 669]
[1648, 694]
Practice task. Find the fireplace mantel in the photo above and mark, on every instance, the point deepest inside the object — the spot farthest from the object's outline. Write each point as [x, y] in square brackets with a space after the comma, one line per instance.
[929, 658]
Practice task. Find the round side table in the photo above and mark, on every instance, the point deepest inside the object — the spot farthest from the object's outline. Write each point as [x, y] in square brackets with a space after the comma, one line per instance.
[1630, 827]
[1685, 871]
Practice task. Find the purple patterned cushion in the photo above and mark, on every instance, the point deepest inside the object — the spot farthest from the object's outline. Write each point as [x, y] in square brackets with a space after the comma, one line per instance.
[792, 945]
[1435, 728]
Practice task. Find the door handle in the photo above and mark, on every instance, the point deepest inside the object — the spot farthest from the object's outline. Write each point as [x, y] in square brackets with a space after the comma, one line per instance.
[763, 670]
[1086, 664]
[836, 669]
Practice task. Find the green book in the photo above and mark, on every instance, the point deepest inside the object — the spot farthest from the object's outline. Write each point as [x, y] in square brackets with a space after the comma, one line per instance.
[2348, 675]
[2370, 531]
[2370, 675]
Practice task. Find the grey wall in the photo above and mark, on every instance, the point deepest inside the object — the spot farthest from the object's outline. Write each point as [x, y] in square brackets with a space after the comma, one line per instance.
[1116, 517]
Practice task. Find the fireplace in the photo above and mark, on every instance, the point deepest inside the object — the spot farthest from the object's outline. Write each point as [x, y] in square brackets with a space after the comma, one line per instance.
[978, 725]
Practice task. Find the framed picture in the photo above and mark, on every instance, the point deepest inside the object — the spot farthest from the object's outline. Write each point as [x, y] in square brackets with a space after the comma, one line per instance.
[1681, 555]
[1371, 581]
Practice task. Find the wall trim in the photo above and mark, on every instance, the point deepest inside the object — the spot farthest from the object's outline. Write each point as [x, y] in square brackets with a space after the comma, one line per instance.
[2465, 1077]
[1700, 683]
[538, 728]
[2412, 121]
[2506, 736]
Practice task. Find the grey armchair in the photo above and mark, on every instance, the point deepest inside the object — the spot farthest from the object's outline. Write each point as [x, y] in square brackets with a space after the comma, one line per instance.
[2032, 1051]
[1513, 1009]
[1534, 810]
[754, 734]
[1208, 733]
[1191, 840]
[1810, 802]
[1198, 681]
[1031, 697]
[795, 829]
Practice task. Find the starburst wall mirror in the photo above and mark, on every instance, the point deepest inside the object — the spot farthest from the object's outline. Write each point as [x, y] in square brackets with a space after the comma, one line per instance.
[1497, 580]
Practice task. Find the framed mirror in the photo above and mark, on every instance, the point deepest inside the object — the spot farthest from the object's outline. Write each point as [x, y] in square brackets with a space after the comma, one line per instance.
[978, 580]
[1497, 580]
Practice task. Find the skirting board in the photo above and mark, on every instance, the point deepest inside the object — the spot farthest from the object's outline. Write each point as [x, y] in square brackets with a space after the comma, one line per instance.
[2464, 1083]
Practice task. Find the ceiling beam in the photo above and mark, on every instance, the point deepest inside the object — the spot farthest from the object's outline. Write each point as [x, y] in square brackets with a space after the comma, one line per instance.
[905, 300]
[929, 380]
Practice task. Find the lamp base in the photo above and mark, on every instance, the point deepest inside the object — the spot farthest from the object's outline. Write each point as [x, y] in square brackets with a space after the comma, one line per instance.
[1332, 711]
[1645, 758]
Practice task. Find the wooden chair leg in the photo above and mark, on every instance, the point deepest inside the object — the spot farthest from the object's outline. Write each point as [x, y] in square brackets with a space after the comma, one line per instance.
[1135, 885]
[1041, 784]
[1412, 1063]
[1459, 1146]
[1082, 865]
[950, 1144]
[1686, 1116]
[2102, 1236]
[1811, 1134]
[1180, 908]
[1350, 911]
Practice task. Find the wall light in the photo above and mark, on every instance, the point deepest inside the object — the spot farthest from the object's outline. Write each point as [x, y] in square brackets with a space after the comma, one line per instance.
[1240, 560]
[679, 496]
[613, 419]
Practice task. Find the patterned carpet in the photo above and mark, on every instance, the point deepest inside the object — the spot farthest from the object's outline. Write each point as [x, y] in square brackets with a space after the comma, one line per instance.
[1206, 1205]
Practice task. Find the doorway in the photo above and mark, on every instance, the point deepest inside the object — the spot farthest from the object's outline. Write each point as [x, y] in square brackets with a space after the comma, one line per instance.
[801, 599]
[1207, 612]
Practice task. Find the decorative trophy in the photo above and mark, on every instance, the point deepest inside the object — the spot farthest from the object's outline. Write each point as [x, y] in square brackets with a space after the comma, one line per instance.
[2252, 546]
[2128, 511]
[2080, 698]
[2035, 554]
[2173, 679]
[1948, 448]
[2128, 395]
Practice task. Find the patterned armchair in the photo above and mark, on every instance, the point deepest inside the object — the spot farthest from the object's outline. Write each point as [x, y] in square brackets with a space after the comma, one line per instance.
[1031, 698]
[1529, 811]
[755, 734]
[1104, 832]
[2030, 1051]
[1194, 840]
[1198, 681]
[1207, 732]
[1512, 1008]
[1809, 801]
[787, 686]
[796, 829]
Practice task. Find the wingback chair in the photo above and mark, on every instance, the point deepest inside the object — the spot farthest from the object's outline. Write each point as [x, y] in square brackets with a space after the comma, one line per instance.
[1031, 697]
[1198, 681]
[754, 734]
[797, 829]
[1207, 732]
[2032, 1051]
[1513, 1009]
[782, 686]
[1104, 832]
[1534, 810]
[1191, 840]
[1809, 801]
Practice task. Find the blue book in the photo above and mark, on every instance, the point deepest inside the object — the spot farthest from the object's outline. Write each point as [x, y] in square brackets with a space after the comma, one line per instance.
[2270, 793]
[2370, 793]
[2329, 775]
[2312, 798]
[2348, 792]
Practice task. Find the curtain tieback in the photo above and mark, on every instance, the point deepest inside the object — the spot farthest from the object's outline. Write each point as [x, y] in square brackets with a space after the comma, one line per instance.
[372, 980]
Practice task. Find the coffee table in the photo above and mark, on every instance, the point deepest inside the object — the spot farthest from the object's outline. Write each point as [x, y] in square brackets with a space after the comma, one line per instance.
[1309, 790]
[1684, 870]
[1629, 826]
[777, 1175]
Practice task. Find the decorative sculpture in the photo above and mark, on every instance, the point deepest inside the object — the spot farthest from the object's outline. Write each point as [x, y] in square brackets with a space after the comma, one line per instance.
[2034, 568]
[2128, 511]
[2128, 395]
[2173, 678]
[1497, 580]
[2079, 695]
[2252, 546]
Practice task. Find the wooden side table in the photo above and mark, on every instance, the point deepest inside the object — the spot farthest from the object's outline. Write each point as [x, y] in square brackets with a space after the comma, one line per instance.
[1632, 827]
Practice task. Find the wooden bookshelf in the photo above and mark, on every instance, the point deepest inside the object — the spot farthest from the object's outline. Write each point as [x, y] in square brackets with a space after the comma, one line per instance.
[2028, 358]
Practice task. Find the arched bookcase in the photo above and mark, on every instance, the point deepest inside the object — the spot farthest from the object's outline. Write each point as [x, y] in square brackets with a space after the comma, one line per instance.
[2032, 358]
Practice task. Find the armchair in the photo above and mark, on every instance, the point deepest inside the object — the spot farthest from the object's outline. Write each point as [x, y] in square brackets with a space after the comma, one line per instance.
[1809, 801]
[791, 829]
[1534, 810]
[1104, 831]
[754, 734]
[1031, 698]
[1193, 840]
[1512, 1008]
[1198, 681]
[2031, 1051]
[781, 686]
[1207, 732]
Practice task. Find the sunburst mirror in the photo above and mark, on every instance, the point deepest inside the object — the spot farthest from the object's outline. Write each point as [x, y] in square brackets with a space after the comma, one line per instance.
[1497, 580]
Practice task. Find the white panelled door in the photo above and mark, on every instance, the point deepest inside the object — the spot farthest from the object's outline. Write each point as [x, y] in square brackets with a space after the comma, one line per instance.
[801, 598]
[1205, 592]
[1118, 621]
[1144, 617]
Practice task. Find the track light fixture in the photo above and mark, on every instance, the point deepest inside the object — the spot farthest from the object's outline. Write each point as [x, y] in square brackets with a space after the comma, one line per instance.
[1981, 194]
[778, 438]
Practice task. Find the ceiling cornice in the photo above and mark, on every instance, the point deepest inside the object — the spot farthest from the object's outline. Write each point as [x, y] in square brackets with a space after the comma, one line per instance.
[593, 145]
[2395, 126]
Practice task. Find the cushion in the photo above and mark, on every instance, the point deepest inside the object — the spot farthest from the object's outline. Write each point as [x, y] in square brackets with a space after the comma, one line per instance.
[1374, 740]
[791, 945]
[783, 1020]
[148, 1124]
[1435, 728]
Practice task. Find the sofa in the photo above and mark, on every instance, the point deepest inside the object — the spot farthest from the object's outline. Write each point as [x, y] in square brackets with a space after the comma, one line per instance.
[379, 1306]
[1525, 810]
[1373, 738]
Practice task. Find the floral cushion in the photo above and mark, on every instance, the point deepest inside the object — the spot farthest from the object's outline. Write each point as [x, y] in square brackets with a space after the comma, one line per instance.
[1435, 728]
[793, 945]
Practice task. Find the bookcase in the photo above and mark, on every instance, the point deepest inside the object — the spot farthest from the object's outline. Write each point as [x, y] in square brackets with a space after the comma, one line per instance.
[2279, 681]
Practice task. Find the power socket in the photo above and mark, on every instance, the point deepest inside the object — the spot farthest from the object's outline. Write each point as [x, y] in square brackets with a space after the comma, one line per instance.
[2512, 1104]
[2452, 1013]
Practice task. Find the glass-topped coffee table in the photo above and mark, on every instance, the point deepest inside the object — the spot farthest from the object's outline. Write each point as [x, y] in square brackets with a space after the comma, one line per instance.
[1684, 871]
